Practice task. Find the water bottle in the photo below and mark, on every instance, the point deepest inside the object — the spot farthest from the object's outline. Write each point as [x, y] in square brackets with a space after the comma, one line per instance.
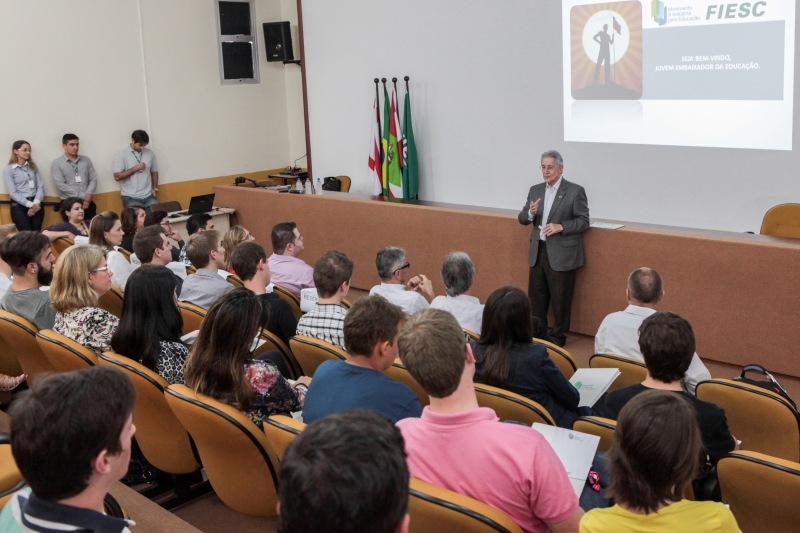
[318, 186]
[307, 186]
[299, 185]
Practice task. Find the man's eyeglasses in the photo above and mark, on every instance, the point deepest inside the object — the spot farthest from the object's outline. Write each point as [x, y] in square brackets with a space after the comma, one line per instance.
[407, 265]
[548, 167]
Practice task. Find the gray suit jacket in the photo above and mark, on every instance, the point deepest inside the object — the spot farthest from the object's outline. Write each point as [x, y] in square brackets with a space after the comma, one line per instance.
[571, 210]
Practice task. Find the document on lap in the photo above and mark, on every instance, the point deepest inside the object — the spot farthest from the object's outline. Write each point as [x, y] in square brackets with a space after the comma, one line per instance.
[574, 449]
[592, 383]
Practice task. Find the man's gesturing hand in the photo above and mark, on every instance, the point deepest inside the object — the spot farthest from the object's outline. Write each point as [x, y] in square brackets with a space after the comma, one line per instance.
[535, 207]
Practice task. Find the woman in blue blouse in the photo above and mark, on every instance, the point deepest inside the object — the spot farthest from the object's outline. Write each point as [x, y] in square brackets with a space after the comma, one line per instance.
[24, 184]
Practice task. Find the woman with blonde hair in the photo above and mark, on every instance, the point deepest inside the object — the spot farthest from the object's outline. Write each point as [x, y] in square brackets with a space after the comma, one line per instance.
[81, 278]
[25, 186]
[106, 232]
[231, 239]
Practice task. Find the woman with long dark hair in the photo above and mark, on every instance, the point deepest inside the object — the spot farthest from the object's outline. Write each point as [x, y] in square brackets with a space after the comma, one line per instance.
[221, 363]
[132, 219]
[149, 331]
[506, 357]
[106, 231]
[73, 225]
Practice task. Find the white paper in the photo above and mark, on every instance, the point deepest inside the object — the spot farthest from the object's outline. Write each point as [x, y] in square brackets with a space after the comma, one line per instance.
[308, 299]
[270, 287]
[81, 239]
[190, 337]
[606, 225]
[178, 268]
[223, 273]
[592, 383]
[574, 449]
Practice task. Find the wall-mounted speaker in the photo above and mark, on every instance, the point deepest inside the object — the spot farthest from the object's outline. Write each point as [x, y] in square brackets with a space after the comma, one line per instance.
[278, 41]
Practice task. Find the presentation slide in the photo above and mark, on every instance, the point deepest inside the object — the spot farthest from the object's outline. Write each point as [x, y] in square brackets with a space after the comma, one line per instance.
[679, 73]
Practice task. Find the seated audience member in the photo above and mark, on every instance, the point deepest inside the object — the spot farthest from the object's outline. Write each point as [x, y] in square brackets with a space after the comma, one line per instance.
[410, 297]
[152, 248]
[161, 218]
[232, 238]
[221, 363]
[619, 332]
[73, 225]
[132, 219]
[81, 278]
[370, 335]
[288, 270]
[667, 344]
[6, 231]
[465, 448]
[31, 261]
[651, 461]
[457, 275]
[208, 256]
[71, 452]
[505, 357]
[319, 467]
[149, 331]
[105, 231]
[249, 262]
[332, 275]
[201, 222]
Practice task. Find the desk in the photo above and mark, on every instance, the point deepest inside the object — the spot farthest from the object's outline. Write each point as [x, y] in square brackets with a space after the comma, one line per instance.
[220, 216]
[739, 291]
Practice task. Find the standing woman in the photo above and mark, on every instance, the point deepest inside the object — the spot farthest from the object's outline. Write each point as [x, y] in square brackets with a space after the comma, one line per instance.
[132, 221]
[25, 186]
[106, 231]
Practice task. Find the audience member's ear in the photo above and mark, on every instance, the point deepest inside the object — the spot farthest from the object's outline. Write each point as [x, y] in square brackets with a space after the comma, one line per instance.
[345, 287]
[278, 508]
[403, 527]
[260, 265]
[663, 292]
[101, 464]
[628, 294]
[470, 355]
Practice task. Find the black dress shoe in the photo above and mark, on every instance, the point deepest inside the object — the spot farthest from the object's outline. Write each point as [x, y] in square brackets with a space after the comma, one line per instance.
[559, 341]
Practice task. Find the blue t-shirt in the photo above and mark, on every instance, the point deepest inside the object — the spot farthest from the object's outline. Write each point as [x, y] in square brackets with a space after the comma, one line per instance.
[338, 386]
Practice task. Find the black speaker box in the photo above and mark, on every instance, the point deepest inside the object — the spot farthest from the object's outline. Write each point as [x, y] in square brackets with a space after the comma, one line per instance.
[278, 41]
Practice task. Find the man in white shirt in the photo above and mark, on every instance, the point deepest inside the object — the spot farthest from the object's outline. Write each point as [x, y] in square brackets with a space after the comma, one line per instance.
[411, 296]
[458, 271]
[619, 332]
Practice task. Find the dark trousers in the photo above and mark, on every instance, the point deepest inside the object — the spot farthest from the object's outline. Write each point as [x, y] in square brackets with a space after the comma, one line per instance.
[90, 212]
[546, 285]
[20, 218]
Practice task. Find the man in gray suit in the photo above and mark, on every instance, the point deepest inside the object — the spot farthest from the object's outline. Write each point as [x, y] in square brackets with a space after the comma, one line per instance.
[559, 212]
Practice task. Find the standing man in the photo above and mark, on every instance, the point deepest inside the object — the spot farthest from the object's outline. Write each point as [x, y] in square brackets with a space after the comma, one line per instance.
[136, 170]
[560, 213]
[74, 175]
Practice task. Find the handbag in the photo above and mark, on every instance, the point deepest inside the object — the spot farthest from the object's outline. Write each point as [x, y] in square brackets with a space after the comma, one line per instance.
[331, 184]
[771, 384]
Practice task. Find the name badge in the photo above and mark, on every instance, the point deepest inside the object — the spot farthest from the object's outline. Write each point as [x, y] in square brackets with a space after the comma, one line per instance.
[30, 183]
[78, 179]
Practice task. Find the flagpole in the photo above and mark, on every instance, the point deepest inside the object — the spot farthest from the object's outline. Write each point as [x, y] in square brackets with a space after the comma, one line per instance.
[377, 105]
[409, 95]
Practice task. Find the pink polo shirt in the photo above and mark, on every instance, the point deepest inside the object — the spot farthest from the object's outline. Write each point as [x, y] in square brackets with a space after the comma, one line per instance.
[290, 272]
[508, 466]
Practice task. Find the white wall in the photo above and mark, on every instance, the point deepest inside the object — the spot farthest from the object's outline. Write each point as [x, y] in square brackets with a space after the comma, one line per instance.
[486, 91]
[294, 90]
[101, 69]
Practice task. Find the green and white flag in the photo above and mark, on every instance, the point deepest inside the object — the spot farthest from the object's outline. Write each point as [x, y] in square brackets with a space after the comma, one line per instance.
[410, 164]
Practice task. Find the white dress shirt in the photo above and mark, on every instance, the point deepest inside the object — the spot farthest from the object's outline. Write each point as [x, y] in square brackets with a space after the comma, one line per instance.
[468, 310]
[409, 301]
[549, 196]
[619, 334]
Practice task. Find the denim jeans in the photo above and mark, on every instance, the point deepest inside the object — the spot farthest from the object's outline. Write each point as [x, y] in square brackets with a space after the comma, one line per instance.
[146, 202]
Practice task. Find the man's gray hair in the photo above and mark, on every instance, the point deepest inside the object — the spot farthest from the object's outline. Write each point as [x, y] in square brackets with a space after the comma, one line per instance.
[388, 261]
[555, 155]
[458, 272]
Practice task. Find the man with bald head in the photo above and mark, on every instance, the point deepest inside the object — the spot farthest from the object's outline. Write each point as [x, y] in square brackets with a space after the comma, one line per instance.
[619, 332]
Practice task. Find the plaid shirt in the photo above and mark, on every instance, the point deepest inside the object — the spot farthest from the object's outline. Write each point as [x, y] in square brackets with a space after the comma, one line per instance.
[324, 322]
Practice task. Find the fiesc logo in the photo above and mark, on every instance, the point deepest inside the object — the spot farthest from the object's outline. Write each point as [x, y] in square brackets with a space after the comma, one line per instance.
[730, 11]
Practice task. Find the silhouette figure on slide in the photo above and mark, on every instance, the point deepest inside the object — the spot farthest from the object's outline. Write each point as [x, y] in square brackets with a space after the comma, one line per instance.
[604, 57]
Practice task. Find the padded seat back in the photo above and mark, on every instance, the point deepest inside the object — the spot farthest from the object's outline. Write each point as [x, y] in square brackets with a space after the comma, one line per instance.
[632, 371]
[190, 270]
[59, 245]
[472, 335]
[281, 431]
[762, 420]
[163, 440]
[562, 358]
[346, 303]
[510, 406]
[782, 221]
[20, 335]
[125, 253]
[595, 425]
[273, 342]
[311, 352]
[345, 183]
[192, 316]
[762, 491]
[63, 353]
[400, 373]
[235, 280]
[9, 364]
[433, 508]
[294, 302]
[112, 301]
[236, 455]
[10, 476]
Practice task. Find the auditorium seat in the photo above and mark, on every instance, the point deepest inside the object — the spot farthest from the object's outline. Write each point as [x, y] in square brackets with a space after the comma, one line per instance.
[782, 221]
[59, 245]
[473, 337]
[562, 358]
[10, 477]
[237, 457]
[21, 337]
[311, 352]
[125, 253]
[511, 406]
[9, 364]
[281, 431]
[399, 373]
[761, 419]
[433, 508]
[346, 303]
[762, 491]
[63, 353]
[273, 342]
[235, 280]
[112, 301]
[192, 315]
[632, 371]
[190, 270]
[595, 425]
[345, 183]
[294, 302]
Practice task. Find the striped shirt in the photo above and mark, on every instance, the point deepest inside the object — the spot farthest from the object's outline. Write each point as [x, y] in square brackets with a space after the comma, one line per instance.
[26, 513]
